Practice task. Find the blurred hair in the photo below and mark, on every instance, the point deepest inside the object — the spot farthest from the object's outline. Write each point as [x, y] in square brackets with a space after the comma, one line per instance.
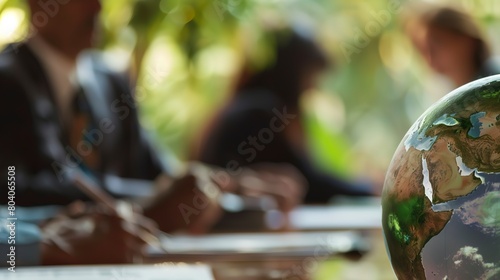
[294, 56]
[452, 19]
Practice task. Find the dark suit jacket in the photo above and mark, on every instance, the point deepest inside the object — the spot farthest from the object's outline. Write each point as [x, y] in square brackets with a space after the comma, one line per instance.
[35, 141]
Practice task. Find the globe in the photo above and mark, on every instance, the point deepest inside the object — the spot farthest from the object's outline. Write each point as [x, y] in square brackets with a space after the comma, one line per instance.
[441, 196]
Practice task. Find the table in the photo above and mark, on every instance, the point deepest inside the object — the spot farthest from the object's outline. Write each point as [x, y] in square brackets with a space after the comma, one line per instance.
[247, 257]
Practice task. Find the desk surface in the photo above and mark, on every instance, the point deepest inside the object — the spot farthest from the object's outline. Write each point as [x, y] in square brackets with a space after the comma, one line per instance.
[266, 256]
[261, 245]
[374, 265]
[312, 223]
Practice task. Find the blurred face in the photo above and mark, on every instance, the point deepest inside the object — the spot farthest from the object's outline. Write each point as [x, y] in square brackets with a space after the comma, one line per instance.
[68, 25]
[448, 51]
[417, 33]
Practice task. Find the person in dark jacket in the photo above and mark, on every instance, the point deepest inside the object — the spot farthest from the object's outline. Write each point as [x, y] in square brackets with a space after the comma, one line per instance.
[66, 115]
[263, 121]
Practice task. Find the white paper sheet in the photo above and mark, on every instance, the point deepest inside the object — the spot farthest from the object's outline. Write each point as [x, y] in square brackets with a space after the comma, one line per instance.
[149, 272]
[351, 217]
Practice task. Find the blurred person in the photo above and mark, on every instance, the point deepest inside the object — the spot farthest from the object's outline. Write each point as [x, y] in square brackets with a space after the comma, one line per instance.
[452, 43]
[65, 113]
[263, 120]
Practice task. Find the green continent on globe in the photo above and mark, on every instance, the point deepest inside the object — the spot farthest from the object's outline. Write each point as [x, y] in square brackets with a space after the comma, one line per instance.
[408, 219]
[439, 161]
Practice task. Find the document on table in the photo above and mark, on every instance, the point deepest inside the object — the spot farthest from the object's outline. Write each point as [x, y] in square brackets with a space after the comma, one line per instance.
[343, 216]
[130, 272]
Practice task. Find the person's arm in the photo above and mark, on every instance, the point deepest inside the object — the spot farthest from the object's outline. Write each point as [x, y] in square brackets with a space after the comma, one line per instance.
[134, 153]
[324, 186]
[94, 237]
[81, 234]
[234, 142]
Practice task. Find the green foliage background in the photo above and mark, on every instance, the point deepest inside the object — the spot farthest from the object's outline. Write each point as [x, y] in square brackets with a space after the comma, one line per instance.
[186, 55]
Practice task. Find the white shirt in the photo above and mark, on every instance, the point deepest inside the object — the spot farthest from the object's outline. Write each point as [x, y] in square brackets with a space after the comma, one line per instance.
[61, 74]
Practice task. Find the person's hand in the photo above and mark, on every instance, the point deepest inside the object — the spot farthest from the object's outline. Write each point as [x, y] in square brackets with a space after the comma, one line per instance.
[92, 235]
[188, 203]
[191, 202]
[281, 181]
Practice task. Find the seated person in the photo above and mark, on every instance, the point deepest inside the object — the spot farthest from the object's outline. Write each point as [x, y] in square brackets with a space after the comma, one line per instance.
[66, 114]
[262, 122]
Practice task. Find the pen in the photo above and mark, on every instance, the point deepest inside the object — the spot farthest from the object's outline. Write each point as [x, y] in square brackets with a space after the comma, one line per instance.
[99, 196]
